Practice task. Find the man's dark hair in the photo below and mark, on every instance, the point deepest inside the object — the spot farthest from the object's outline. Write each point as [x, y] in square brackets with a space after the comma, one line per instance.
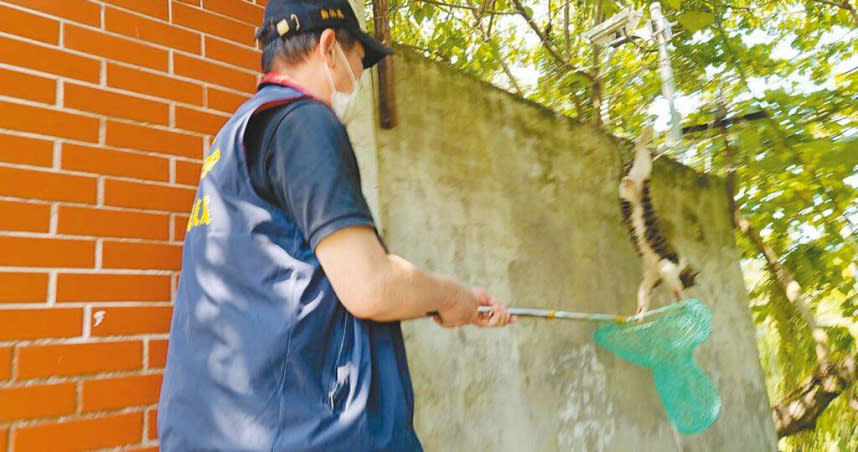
[296, 48]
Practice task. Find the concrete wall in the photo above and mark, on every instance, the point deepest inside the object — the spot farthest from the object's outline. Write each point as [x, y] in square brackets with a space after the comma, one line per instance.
[504, 194]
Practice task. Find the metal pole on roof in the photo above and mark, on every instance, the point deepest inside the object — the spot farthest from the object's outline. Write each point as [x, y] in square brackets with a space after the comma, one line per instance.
[661, 31]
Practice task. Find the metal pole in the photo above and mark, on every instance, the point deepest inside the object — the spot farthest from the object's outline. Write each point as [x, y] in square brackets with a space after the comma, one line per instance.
[386, 97]
[661, 29]
[566, 315]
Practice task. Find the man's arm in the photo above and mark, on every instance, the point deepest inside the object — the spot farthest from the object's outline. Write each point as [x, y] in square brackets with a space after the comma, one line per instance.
[314, 177]
[384, 287]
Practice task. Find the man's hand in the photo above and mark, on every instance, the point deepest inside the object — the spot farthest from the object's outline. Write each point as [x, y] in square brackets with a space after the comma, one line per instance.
[464, 310]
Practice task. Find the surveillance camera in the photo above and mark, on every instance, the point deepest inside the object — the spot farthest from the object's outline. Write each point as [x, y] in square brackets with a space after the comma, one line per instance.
[615, 27]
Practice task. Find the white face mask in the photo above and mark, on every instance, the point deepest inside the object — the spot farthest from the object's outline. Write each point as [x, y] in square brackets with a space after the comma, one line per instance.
[343, 104]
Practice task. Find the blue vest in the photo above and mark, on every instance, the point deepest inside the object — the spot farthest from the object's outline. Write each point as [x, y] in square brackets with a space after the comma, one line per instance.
[262, 354]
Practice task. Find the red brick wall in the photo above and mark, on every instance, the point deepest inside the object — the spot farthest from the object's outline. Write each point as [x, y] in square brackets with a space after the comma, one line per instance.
[106, 107]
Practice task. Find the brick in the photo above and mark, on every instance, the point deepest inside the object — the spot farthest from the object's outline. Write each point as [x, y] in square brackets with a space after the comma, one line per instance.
[88, 287]
[134, 255]
[120, 392]
[199, 121]
[156, 140]
[224, 100]
[5, 365]
[49, 59]
[133, 79]
[82, 11]
[27, 151]
[37, 252]
[35, 361]
[28, 25]
[180, 226]
[139, 27]
[157, 354]
[215, 74]
[237, 9]
[114, 163]
[148, 196]
[23, 324]
[112, 223]
[23, 288]
[190, 2]
[154, 8]
[152, 424]
[187, 173]
[26, 86]
[53, 186]
[4, 438]
[236, 55]
[81, 434]
[214, 24]
[45, 121]
[37, 401]
[118, 105]
[114, 47]
[20, 216]
[132, 320]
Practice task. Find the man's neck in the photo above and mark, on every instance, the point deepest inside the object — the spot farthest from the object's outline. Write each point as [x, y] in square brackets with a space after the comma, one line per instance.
[307, 78]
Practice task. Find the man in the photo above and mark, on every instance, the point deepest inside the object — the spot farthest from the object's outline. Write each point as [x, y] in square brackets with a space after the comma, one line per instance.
[285, 332]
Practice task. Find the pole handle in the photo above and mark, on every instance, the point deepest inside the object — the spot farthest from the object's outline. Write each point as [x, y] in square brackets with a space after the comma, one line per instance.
[555, 314]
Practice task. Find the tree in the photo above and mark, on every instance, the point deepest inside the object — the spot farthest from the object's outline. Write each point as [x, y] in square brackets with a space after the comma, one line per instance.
[793, 170]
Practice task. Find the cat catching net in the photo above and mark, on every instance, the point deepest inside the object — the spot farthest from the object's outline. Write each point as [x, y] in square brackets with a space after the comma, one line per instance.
[662, 340]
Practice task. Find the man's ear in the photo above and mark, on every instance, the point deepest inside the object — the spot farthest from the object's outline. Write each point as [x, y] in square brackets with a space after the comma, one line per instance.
[326, 47]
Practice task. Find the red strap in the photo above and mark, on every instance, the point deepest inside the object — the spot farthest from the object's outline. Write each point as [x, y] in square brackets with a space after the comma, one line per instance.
[280, 78]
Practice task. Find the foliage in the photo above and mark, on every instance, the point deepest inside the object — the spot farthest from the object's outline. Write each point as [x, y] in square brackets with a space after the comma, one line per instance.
[796, 170]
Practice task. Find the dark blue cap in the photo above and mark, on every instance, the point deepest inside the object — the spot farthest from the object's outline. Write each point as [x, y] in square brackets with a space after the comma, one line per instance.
[295, 16]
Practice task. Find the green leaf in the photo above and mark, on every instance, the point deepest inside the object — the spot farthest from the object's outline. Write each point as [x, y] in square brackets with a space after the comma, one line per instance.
[749, 139]
[674, 4]
[582, 79]
[696, 20]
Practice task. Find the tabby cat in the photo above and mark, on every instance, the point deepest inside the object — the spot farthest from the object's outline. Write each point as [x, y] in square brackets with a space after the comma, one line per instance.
[660, 261]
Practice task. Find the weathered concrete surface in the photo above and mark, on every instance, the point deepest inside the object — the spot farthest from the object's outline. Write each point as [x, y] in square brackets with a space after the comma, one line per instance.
[362, 132]
[506, 195]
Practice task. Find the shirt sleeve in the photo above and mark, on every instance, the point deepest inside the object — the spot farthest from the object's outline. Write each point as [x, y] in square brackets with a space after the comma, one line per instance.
[314, 174]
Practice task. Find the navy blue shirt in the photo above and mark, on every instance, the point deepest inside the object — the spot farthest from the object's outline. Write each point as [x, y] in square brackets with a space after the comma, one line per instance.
[300, 158]
[262, 354]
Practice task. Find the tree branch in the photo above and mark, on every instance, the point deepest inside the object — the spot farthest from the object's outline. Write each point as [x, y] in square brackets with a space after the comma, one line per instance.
[478, 16]
[546, 43]
[787, 284]
[730, 153]
[566, 38]
[844, 5]
[596, 92]
[800, 410]
[512, 80]
[472, 8]
[724, 122]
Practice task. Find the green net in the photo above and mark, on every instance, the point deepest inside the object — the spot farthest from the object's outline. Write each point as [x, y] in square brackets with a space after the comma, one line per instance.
[664, 341]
